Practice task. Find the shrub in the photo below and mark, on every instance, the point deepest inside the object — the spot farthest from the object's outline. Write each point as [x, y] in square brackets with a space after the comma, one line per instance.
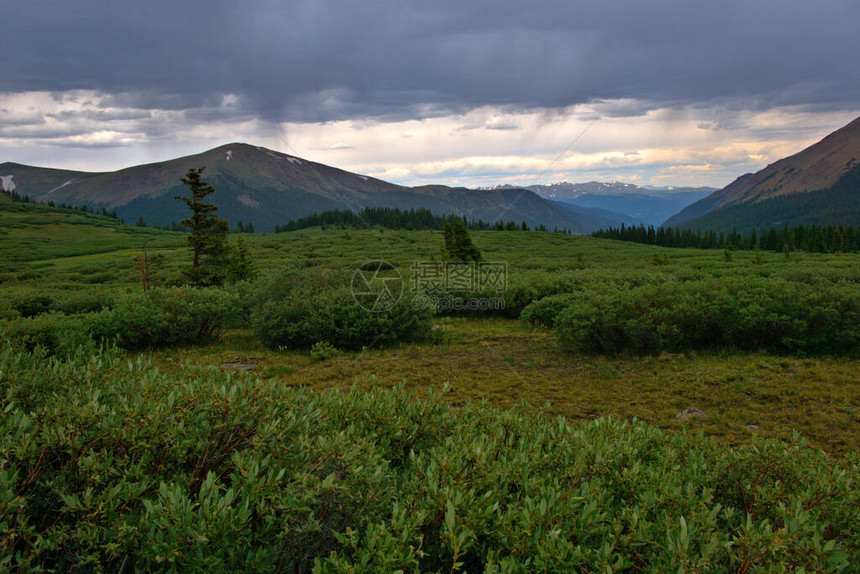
[298, 307]
[134, 469]
[165, 317]
[33, 305]
[334, 316]
[543, 312]
[750, 313]
[90, 301]
[53, 333]
[322, 351]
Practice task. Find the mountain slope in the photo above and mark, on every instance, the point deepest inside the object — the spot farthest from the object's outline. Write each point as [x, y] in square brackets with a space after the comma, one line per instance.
[816, 185]
[269, 188]
[623, 201]
[33, 232]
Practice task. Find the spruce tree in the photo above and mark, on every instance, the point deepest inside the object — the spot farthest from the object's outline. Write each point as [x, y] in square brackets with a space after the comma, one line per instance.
[208, 233]
[458, 244]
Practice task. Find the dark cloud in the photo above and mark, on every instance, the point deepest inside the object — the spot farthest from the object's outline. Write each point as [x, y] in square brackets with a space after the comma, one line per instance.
[102, 115]
[324, 60]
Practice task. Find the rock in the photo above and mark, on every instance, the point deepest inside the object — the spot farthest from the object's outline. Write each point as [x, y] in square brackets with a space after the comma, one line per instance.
[238, 366]
[689, 412]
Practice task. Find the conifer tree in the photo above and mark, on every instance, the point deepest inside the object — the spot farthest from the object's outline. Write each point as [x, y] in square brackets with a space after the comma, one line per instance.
[458, 244]
[208, 233]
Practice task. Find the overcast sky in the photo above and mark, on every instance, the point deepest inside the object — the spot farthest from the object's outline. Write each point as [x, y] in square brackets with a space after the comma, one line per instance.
[662, 92]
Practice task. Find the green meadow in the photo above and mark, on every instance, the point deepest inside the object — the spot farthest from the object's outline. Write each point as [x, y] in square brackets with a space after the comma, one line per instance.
[600, 344]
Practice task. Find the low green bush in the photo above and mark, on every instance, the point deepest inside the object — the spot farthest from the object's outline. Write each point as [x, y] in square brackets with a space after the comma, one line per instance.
[114, 466]
[323, 351]
[751, 313]
[53, 333]
[30, 306]
[89, 301]
[298, 307]
[166, 317]
[543, 312]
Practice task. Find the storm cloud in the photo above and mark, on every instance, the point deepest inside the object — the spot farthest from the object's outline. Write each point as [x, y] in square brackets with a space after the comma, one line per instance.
[330, 60]
[144, 70]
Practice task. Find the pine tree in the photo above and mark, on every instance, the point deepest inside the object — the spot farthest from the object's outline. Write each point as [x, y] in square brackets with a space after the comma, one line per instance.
[458, 244]
[208, 235]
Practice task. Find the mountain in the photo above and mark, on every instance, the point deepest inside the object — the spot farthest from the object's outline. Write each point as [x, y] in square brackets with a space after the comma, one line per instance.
[600, 218]
[620, 201]
[255, 184]
[819, 185]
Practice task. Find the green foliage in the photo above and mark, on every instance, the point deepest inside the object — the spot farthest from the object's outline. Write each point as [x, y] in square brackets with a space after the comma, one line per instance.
[33, 305]
[457, 244]
[369, 217]
[323, 350]
[240, 266]
[813, 238]
[752, 314]
[130, 469]
[543, 312]
[208, 233]
[296, 308]
[81, 302]
[52, 333]
[164, 317]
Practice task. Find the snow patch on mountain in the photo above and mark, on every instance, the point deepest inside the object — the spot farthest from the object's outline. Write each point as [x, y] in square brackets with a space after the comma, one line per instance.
[293, 160]
[248, 201]
[229, 154]
[6, 183]
[61, 186]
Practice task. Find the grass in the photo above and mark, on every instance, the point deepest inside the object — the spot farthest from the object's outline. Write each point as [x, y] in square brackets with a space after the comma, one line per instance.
[505, 362]
[502, 361]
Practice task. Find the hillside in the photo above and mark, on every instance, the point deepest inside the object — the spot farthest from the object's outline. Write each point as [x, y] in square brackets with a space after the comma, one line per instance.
[817, 185]
[270, 188]
[34, 232]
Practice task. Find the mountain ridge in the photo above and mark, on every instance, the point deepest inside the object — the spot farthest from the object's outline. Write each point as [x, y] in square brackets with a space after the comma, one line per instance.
[827, 168]
[627, 202]
[268, 187]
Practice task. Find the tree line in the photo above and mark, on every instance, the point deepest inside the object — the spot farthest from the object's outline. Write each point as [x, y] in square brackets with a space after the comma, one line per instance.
[811, 238]
[392, 218]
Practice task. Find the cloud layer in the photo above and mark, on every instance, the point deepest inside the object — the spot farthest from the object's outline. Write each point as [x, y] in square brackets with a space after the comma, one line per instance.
[487, 81]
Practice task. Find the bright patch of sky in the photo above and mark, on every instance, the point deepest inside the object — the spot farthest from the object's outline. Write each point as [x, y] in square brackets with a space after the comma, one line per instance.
[660, 146]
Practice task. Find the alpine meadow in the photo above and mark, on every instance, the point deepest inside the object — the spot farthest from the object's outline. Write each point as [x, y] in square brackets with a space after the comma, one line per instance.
[491, 289]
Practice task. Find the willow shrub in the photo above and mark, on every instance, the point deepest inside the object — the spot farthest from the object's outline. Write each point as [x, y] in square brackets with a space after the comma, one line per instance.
[298, 307]
[110, 465]
[165, 317]
[743, 313]
[50, 333]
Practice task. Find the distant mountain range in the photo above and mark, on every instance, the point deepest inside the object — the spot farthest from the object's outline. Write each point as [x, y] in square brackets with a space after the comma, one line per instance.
[819, 185]
[625, 202]
[268, 188]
